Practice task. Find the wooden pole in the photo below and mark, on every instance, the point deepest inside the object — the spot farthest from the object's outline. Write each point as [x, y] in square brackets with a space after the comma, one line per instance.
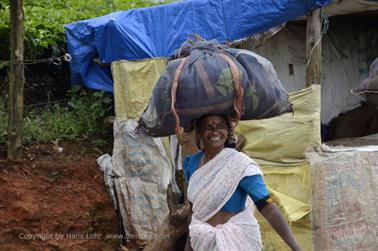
[314, 55]
[16, 80]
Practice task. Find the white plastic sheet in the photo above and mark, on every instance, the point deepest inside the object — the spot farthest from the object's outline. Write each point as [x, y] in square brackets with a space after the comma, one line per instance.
[140, 172]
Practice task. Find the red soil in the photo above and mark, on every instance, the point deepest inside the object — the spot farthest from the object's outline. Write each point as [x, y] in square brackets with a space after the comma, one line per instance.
[55, 200]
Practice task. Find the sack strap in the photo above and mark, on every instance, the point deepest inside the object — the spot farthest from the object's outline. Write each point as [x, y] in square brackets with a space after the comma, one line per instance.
[205, 79]
[238, 90]
[176, 77]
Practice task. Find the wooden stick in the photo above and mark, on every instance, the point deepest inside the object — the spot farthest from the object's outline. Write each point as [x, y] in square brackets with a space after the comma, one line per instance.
[313, 48]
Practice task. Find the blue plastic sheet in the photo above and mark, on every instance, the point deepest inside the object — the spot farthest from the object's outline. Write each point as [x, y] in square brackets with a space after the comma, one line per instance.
[160, 30]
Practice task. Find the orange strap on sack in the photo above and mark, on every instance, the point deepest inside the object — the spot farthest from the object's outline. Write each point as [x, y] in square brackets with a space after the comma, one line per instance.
[238, 90]
[178, 128]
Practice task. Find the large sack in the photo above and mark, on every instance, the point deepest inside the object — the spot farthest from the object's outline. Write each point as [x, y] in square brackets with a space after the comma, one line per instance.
[213, 79]
[141, 173]
[369, 87]
[344, 197]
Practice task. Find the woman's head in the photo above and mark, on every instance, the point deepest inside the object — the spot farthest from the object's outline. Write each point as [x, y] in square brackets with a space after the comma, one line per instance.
[214, 132]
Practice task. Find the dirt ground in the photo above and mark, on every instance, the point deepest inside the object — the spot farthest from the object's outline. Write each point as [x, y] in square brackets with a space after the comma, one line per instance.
[55, 199]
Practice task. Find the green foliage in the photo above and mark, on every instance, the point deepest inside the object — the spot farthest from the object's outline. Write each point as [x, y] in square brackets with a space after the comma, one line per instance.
[82, 117]
[44, 20]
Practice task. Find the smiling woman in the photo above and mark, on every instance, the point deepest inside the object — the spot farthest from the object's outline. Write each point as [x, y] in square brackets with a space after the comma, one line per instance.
[220, 180]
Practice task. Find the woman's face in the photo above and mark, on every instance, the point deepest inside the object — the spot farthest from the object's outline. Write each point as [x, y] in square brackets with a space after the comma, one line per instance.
[213, 132]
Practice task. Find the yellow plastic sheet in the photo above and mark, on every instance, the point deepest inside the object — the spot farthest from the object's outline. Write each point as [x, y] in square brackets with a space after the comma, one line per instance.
[290, 190]
[133, 85]
[283, 139]
[278, 145]
[292, 181]
[273, 242]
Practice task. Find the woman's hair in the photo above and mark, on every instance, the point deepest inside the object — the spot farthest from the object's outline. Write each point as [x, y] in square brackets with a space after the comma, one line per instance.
[231, 140]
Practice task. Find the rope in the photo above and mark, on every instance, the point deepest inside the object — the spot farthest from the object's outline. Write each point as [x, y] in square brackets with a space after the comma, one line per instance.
[48, 103]
[325, 23]
[53, 60]
[238, 99]
[60, 101]
[175, 83]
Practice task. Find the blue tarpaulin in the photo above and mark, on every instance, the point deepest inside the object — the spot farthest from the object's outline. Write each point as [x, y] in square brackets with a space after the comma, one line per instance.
[160, 30]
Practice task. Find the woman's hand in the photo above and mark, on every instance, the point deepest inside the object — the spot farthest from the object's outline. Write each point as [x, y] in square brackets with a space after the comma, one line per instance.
[273, 215]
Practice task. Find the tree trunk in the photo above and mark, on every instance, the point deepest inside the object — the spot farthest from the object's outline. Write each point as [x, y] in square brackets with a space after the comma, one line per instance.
[16, 81]
[314, 54]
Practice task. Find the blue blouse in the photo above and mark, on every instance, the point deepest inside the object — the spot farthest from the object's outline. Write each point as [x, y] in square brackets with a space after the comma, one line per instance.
[253, 186]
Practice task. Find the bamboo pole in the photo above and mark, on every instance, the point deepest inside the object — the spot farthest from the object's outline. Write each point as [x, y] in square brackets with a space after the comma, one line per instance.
[313, 48]
[16, 81]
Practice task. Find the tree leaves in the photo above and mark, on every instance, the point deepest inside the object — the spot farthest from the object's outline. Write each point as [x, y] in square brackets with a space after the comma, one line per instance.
[45, 19]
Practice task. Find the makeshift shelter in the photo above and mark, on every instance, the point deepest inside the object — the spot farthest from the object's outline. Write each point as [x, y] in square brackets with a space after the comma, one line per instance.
[344, 219]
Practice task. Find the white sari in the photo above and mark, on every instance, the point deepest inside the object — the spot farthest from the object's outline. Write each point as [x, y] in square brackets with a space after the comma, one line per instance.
[210, 187]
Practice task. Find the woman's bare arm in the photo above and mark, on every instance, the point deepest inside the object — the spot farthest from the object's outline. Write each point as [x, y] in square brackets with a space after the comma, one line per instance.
[273, 215]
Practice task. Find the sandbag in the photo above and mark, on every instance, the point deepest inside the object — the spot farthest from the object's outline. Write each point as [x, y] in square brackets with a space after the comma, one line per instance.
[141, 173]
[209, 78]
[369, 87]
[344, 197]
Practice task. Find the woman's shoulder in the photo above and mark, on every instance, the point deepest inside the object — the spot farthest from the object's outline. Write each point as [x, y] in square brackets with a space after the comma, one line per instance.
[194, 155]
[191, 163]
[242, 155]
[191, 158]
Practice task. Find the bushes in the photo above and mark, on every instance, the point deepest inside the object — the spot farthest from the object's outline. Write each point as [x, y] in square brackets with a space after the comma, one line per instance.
[81, 116]
[44, 22]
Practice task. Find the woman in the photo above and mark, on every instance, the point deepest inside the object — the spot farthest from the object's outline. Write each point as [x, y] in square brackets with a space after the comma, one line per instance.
[220, 178]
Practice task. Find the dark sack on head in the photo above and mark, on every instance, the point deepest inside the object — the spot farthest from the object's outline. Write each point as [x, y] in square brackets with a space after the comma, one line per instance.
[213, 79]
